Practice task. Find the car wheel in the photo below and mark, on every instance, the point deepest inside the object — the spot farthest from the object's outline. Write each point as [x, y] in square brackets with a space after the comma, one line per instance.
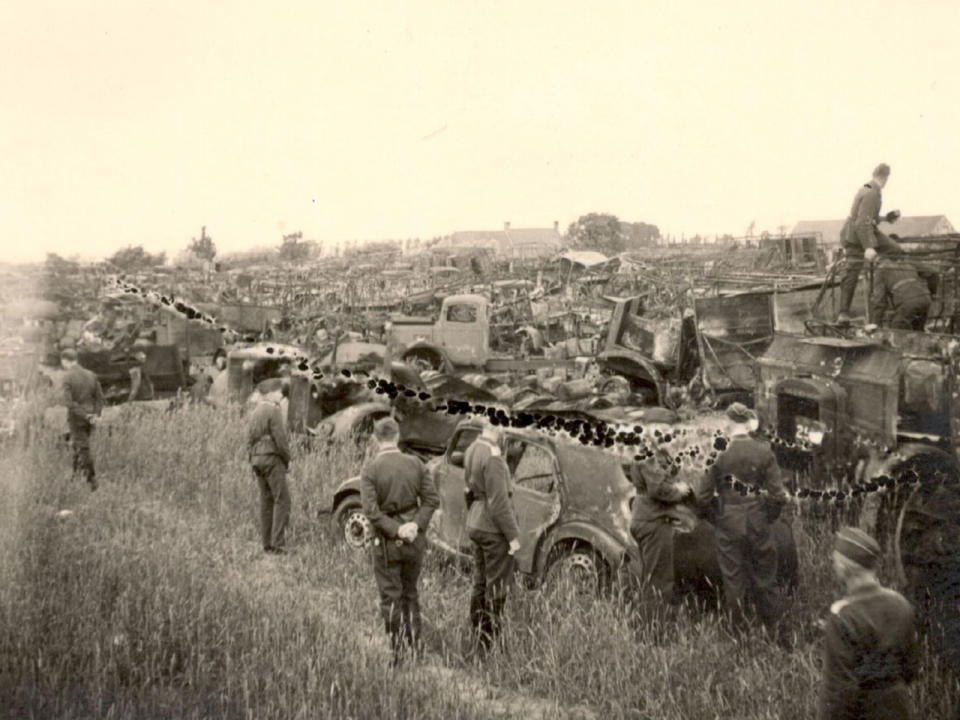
[354, 526]
[578, 567]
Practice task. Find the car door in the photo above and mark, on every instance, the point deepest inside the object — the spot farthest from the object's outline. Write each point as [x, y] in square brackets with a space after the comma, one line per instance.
[451, 525]
[536, 494]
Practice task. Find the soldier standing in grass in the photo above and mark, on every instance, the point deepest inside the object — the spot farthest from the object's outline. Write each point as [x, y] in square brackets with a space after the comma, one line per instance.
[269, 453]
[745, 546]
[870, 643]
[84, 399]
[493, 528]
[657, 512]
[399, 498]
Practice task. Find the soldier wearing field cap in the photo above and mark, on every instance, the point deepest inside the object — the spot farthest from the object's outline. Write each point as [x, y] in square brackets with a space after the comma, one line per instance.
[493, 528]
[870, 644]
[860, 237]
[746, 479]
[399, 497]
[83, 397]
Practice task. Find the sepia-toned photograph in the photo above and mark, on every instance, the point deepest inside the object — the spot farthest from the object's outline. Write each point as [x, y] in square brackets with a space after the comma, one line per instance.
[446, 360]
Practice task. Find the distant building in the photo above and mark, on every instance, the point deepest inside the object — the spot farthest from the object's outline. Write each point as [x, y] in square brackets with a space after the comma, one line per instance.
[913, 226]
[522, 243]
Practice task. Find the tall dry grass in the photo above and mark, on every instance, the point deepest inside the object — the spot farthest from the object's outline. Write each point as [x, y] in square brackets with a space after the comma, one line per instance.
[153, 600]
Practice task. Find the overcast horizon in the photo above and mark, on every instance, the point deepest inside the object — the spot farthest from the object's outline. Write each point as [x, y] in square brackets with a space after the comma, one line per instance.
[136, 125]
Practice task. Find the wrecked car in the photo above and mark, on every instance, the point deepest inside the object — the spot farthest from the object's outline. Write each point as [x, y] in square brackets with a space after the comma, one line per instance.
[573, 505]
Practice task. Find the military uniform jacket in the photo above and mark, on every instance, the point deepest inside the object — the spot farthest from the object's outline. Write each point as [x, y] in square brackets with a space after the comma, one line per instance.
[82, 393]
[860, 228]
[266, 433]
[395, 489]
[658, 499]
[897, 281]
[487, 475]
[750, 461]
[870, 653]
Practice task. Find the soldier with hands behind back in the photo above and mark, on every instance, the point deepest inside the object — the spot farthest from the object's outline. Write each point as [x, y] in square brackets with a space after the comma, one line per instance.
[399, 497]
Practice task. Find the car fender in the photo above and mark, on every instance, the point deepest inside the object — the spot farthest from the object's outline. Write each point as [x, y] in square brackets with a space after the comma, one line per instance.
[429, 349]
[612, 550]
[345, 489]
[646, 370]
[880, 464]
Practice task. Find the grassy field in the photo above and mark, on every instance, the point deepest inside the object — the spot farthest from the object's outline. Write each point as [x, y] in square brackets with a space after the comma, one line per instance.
[153, 600]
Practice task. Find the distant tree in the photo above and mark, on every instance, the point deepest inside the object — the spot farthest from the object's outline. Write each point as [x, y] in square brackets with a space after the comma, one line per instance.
[56, 265]
[596, 231]
[293, 248]
[203, 247]
[639, 234]
[133, 258]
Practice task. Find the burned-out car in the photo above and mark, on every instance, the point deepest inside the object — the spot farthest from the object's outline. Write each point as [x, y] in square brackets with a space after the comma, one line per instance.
[572, 504]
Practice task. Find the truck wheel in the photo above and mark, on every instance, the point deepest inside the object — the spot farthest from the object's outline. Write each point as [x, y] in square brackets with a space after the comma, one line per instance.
[578, 567]
[355, 528]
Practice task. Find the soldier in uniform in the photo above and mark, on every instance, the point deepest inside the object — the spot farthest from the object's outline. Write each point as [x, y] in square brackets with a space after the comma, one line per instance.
[84, 400]
[141, 386]
[745, 546]
[657, 511]
[860, 237]
[870, 643]
[269, 453]
[494, 531]
[399, 498]
[903, 288]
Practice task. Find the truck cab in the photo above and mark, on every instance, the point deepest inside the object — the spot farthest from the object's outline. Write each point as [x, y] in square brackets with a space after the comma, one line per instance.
[461, 333]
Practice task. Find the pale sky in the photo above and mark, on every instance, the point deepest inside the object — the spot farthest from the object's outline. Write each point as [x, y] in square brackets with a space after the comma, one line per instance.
[136, 123]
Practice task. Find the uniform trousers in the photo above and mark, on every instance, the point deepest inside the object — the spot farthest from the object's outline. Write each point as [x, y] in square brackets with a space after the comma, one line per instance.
[396, 568]
[655, 540]
[493, 568]
[271, 473]
[747, 557]
[80, 430]
[911, 314]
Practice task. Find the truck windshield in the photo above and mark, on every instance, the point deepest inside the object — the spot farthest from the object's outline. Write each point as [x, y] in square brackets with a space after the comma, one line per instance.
[462, 313]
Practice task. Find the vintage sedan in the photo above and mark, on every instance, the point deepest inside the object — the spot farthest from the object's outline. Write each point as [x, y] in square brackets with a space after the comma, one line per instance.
[572, 503]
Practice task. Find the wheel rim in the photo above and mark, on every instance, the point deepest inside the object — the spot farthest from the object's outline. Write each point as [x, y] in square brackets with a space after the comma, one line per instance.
[580, 570]
[357, 530]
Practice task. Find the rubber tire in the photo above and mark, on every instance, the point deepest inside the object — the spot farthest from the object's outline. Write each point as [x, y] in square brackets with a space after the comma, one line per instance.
[352, 522]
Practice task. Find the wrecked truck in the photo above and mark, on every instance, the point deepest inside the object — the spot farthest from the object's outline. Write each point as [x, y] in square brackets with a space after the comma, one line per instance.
[717, 340]
[459, 339]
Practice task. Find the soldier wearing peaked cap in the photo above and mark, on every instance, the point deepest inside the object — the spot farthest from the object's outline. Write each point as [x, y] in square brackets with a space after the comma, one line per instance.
[399, 498]
[746, 550]
[870, 644]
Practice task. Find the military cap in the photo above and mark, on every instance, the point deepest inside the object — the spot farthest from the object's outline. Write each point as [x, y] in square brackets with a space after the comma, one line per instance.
[68, 354]
[740, 413]
[854, 544]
